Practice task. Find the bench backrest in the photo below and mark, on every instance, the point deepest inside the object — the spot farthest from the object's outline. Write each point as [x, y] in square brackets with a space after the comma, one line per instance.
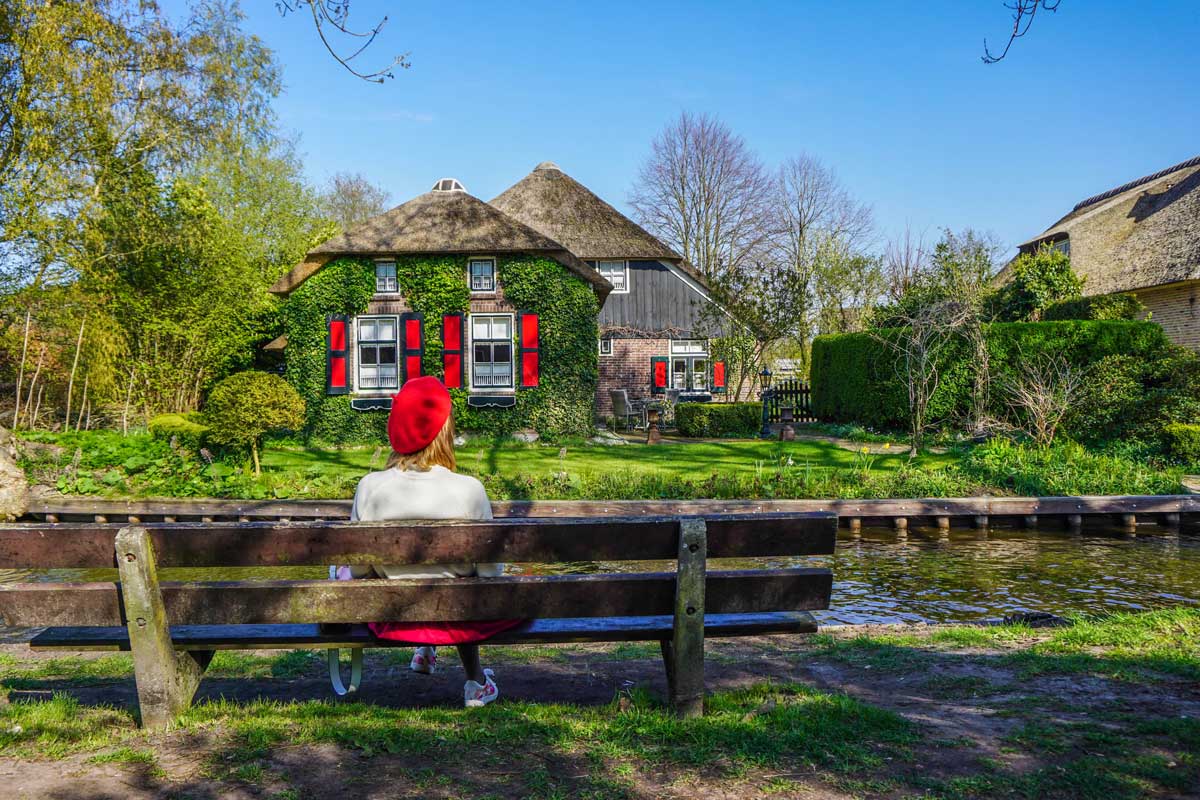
[512, 540]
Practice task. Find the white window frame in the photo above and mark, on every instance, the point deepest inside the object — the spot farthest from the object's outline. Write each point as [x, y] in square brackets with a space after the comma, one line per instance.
[686, 347]
[471, 278]
[624, 268]
[606, 340]
[395, 278]
[357, 352]
[512, 377]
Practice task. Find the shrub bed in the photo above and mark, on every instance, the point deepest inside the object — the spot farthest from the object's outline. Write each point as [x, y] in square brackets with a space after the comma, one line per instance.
[188, 429]
[712, 420]
[1183, 442]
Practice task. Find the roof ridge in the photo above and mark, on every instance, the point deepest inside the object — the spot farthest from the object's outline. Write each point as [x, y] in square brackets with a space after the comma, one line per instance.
[1125, 187]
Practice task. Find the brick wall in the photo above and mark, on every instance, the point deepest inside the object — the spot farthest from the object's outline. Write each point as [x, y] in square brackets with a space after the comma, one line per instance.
[627, 368]
[1177, 309]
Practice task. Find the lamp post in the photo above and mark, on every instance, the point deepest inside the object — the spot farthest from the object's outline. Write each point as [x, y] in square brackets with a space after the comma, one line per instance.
[765, 394]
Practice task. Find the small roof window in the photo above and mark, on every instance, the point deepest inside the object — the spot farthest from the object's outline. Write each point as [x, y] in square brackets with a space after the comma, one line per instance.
[448, 185]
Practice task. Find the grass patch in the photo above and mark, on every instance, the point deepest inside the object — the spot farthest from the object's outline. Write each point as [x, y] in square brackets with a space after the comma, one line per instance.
[60, 726]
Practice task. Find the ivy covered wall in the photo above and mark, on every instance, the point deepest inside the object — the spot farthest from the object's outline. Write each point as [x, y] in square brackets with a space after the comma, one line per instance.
[567, 309]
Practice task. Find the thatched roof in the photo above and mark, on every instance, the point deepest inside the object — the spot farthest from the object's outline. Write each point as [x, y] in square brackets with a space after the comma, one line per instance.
[446, 220]
[553, 203]
[1141, 234]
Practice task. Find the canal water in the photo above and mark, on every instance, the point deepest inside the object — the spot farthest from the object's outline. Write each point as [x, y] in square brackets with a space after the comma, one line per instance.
[924, 576]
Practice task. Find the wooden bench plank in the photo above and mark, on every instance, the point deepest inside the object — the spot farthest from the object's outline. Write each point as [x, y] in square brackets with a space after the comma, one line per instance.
[514, 540]
[268, 602]
[544, 631]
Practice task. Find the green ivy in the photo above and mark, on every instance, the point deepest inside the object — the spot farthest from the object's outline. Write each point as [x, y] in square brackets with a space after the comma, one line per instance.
[561, 406]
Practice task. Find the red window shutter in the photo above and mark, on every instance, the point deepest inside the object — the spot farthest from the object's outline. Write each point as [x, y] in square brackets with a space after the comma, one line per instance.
[412, 337]
[718, 377]
[527, 346]
[658, 375]
[452, 350]
[337, 361]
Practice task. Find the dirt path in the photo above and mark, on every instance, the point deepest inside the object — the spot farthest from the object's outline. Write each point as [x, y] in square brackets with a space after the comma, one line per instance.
[978, 712]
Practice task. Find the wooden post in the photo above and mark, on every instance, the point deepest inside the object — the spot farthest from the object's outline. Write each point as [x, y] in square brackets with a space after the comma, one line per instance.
[1170, 521]
[685, 672]
[1031, 522]
[900, 524]
[943, 523]
[855, 525]
[166, 680]
[981, 522]
[101, 519]
[1129, 523]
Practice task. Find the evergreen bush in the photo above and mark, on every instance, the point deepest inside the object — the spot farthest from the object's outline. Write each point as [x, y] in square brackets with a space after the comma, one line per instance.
[1183, 441]
[1107, 306]
[246, 405]
[187, 429]
[714, 420]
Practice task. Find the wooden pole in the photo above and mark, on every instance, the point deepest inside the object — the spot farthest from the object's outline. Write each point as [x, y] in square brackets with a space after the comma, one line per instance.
[166, 680]
[686, 670]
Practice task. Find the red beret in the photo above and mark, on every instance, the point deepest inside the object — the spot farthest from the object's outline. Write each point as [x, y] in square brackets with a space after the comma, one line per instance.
[419, 410]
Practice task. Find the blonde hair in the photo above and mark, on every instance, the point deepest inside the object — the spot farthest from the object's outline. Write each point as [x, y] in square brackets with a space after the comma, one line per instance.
[439, 452]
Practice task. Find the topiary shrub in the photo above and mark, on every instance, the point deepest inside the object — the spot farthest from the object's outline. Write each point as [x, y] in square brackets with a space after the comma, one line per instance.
[246, 405]
[1106, 306]
[1036, 280]
[187, 429]
[1183, 441]
[712, 420]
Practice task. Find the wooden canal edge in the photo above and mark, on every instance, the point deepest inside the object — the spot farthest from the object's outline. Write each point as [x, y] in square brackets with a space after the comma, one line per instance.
[1125, 512]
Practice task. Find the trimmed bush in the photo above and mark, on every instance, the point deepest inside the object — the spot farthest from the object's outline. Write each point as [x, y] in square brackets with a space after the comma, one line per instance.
[713, 420]
[247, 405]
[1106, 306]
[854, 375]
[187, 429]
[1183, 442]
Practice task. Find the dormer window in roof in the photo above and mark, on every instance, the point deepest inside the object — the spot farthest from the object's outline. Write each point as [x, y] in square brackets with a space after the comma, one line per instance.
[448, 185]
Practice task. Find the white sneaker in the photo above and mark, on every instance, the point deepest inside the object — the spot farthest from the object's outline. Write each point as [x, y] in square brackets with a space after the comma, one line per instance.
[424, 661]
[477, 696]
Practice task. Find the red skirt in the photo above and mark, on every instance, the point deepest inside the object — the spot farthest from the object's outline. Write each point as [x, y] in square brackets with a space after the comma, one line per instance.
[441, 632]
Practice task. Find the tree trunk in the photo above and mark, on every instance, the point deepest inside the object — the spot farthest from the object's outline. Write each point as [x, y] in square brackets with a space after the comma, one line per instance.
[21, 373]
[74, 366]
[254, 453]
[125, 412]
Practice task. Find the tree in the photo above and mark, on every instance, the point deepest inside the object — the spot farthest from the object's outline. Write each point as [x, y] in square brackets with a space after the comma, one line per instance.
[705, 193]
[349, 198]
[1023, 13]
[335, 15]
[905, 260]
[1036, 281]
[244, 407]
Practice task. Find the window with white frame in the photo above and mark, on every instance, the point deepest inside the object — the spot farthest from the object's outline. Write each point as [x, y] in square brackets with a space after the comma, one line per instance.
[483, 274]
[606, 347]
[616, 273]
[689, 364]
[377, 349]
[491, 351]
[385, 276]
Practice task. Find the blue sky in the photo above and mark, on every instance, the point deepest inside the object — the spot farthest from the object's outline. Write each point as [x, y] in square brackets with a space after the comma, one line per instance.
[890, 94]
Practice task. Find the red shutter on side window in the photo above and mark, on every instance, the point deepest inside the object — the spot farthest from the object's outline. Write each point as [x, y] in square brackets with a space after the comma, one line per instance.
[718, 377]
[658, 375]
[452, 350]
[413, 340]
[527, 346]
[336, 355]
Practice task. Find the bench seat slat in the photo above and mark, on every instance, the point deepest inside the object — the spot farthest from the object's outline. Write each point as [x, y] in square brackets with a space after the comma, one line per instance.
[512, 540]
[583, 629]
[534, 597]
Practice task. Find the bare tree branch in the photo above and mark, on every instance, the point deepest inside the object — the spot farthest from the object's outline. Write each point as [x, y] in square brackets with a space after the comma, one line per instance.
[1023, 13]
[1041, 393]
[336, 14]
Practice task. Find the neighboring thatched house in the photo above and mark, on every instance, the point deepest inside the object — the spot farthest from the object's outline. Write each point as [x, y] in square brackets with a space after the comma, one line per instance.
[1143, 238]
[486, 296]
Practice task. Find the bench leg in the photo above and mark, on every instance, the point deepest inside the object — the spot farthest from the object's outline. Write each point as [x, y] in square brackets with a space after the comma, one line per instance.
[166, 679]
[668, 657]
[686, 674]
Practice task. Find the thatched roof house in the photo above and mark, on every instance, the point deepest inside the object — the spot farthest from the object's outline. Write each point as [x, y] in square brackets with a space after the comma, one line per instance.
[1141, 237]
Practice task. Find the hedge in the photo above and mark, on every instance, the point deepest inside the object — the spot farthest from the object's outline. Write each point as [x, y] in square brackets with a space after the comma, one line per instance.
[854, 375]
[1105, 306]
[1183, 442]
[187, 429]
[712, 420]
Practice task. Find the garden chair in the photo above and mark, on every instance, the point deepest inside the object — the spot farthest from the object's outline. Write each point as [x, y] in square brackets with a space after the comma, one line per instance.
[629, 412]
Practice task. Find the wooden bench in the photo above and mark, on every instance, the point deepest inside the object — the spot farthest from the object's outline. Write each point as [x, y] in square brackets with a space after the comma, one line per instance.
[173, 628]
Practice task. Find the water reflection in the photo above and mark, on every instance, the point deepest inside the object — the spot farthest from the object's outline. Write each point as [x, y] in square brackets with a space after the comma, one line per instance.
[925, 576]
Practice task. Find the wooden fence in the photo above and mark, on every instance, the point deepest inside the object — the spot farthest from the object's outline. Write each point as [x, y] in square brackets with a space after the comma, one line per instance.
[794, 393]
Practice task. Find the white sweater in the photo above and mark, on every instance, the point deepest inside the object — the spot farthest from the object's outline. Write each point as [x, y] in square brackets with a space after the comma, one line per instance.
[410, 494]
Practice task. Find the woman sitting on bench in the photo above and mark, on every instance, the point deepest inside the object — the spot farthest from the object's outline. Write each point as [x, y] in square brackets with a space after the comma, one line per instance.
[419, 482]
